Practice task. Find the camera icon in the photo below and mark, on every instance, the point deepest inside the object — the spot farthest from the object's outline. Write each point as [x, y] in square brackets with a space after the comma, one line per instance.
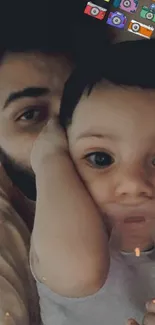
[95, 11]
[140, 29]
[126, 5]
[148, 13]
[117, 19]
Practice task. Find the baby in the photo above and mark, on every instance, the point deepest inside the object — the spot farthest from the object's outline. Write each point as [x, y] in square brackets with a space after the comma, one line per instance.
[108, 112]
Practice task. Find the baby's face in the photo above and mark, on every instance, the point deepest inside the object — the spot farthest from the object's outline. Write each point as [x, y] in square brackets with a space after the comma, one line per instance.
[112, 142]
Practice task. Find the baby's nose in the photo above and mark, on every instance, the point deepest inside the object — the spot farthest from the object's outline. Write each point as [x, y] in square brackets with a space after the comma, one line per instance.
[133, 187]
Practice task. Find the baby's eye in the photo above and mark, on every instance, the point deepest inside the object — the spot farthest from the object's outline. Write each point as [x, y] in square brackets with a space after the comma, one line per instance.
[99, 159]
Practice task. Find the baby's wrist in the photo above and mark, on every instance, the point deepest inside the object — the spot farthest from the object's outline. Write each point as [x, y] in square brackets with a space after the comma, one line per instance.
[49, 160]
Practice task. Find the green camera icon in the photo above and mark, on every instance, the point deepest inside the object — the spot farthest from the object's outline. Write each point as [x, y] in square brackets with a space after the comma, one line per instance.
[147, 13]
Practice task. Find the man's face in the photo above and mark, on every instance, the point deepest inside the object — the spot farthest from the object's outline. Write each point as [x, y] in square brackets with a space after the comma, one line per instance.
[112, 142]
[31, 86]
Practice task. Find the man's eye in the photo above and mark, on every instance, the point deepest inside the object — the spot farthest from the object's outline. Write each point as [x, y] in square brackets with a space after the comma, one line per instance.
[99, 159]
[31, 114]
[153, 161]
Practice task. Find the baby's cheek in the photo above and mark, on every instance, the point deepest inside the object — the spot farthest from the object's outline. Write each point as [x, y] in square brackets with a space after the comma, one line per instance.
[99, 190]
[98, 186]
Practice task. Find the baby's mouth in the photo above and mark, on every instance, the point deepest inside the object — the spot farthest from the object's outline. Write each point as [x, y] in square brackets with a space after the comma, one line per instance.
[134, 219]
[133, 232]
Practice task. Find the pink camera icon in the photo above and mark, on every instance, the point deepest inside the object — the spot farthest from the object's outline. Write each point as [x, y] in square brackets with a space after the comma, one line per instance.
[126, 5]
[95, 11]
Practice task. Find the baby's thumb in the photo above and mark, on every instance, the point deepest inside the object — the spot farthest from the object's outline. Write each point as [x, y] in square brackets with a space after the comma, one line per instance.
[132, 321]
[50, 127]
[150, 306]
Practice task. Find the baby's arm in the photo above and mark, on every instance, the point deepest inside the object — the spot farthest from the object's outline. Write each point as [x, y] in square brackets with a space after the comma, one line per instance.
[69, 237]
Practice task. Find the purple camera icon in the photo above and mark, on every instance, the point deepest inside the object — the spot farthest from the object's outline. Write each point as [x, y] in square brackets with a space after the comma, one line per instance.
[117, 19]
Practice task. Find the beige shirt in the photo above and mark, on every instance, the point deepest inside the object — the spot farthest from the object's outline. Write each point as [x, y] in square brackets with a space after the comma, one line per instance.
[18, 295]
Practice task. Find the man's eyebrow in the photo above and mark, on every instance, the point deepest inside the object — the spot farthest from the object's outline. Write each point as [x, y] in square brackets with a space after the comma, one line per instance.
[26, 92]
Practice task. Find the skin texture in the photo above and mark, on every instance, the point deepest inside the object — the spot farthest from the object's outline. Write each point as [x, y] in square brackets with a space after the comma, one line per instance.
[121, 35]
[149, 318]
[125, 185]
[17, 137]
[69, 239]
[18, 128]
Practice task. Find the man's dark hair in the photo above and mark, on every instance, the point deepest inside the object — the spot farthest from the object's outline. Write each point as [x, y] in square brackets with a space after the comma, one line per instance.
[129, 63]
[49, 27]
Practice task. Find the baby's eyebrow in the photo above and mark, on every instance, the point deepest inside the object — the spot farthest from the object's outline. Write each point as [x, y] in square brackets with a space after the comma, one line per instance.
[91, 134]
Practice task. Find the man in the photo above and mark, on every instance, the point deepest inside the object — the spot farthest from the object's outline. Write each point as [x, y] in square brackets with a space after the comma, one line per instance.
[23, 114]
[31, 85]
[27, 101]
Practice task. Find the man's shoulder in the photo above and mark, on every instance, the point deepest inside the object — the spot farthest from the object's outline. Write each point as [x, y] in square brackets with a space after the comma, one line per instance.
[6, 186]
[10, 219]
[14, 203]
[16, 281]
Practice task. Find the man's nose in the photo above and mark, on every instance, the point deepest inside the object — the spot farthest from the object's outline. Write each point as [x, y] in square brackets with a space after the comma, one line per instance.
[133, 186]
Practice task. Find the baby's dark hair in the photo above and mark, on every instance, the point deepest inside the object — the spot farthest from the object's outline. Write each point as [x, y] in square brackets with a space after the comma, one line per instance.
[129, 63]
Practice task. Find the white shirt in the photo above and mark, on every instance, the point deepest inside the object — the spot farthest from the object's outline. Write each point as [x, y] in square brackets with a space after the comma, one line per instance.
[130, 284]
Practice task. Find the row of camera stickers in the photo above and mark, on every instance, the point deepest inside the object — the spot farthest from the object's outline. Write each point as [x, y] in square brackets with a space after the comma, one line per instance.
[119, 20]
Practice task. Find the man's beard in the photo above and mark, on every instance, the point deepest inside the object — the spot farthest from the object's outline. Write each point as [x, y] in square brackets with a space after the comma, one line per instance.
[21, 177]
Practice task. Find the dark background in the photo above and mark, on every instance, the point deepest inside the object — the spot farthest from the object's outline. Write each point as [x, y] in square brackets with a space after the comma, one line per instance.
[56, 24]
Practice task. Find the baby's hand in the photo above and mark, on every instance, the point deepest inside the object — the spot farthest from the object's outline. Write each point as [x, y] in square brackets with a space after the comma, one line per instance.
[51, 141]
[149, 318]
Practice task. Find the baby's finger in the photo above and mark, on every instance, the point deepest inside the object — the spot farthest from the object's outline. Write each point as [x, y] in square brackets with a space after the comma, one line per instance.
[52, 130]
[132, 321]
[150, 306]
[149, 319]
